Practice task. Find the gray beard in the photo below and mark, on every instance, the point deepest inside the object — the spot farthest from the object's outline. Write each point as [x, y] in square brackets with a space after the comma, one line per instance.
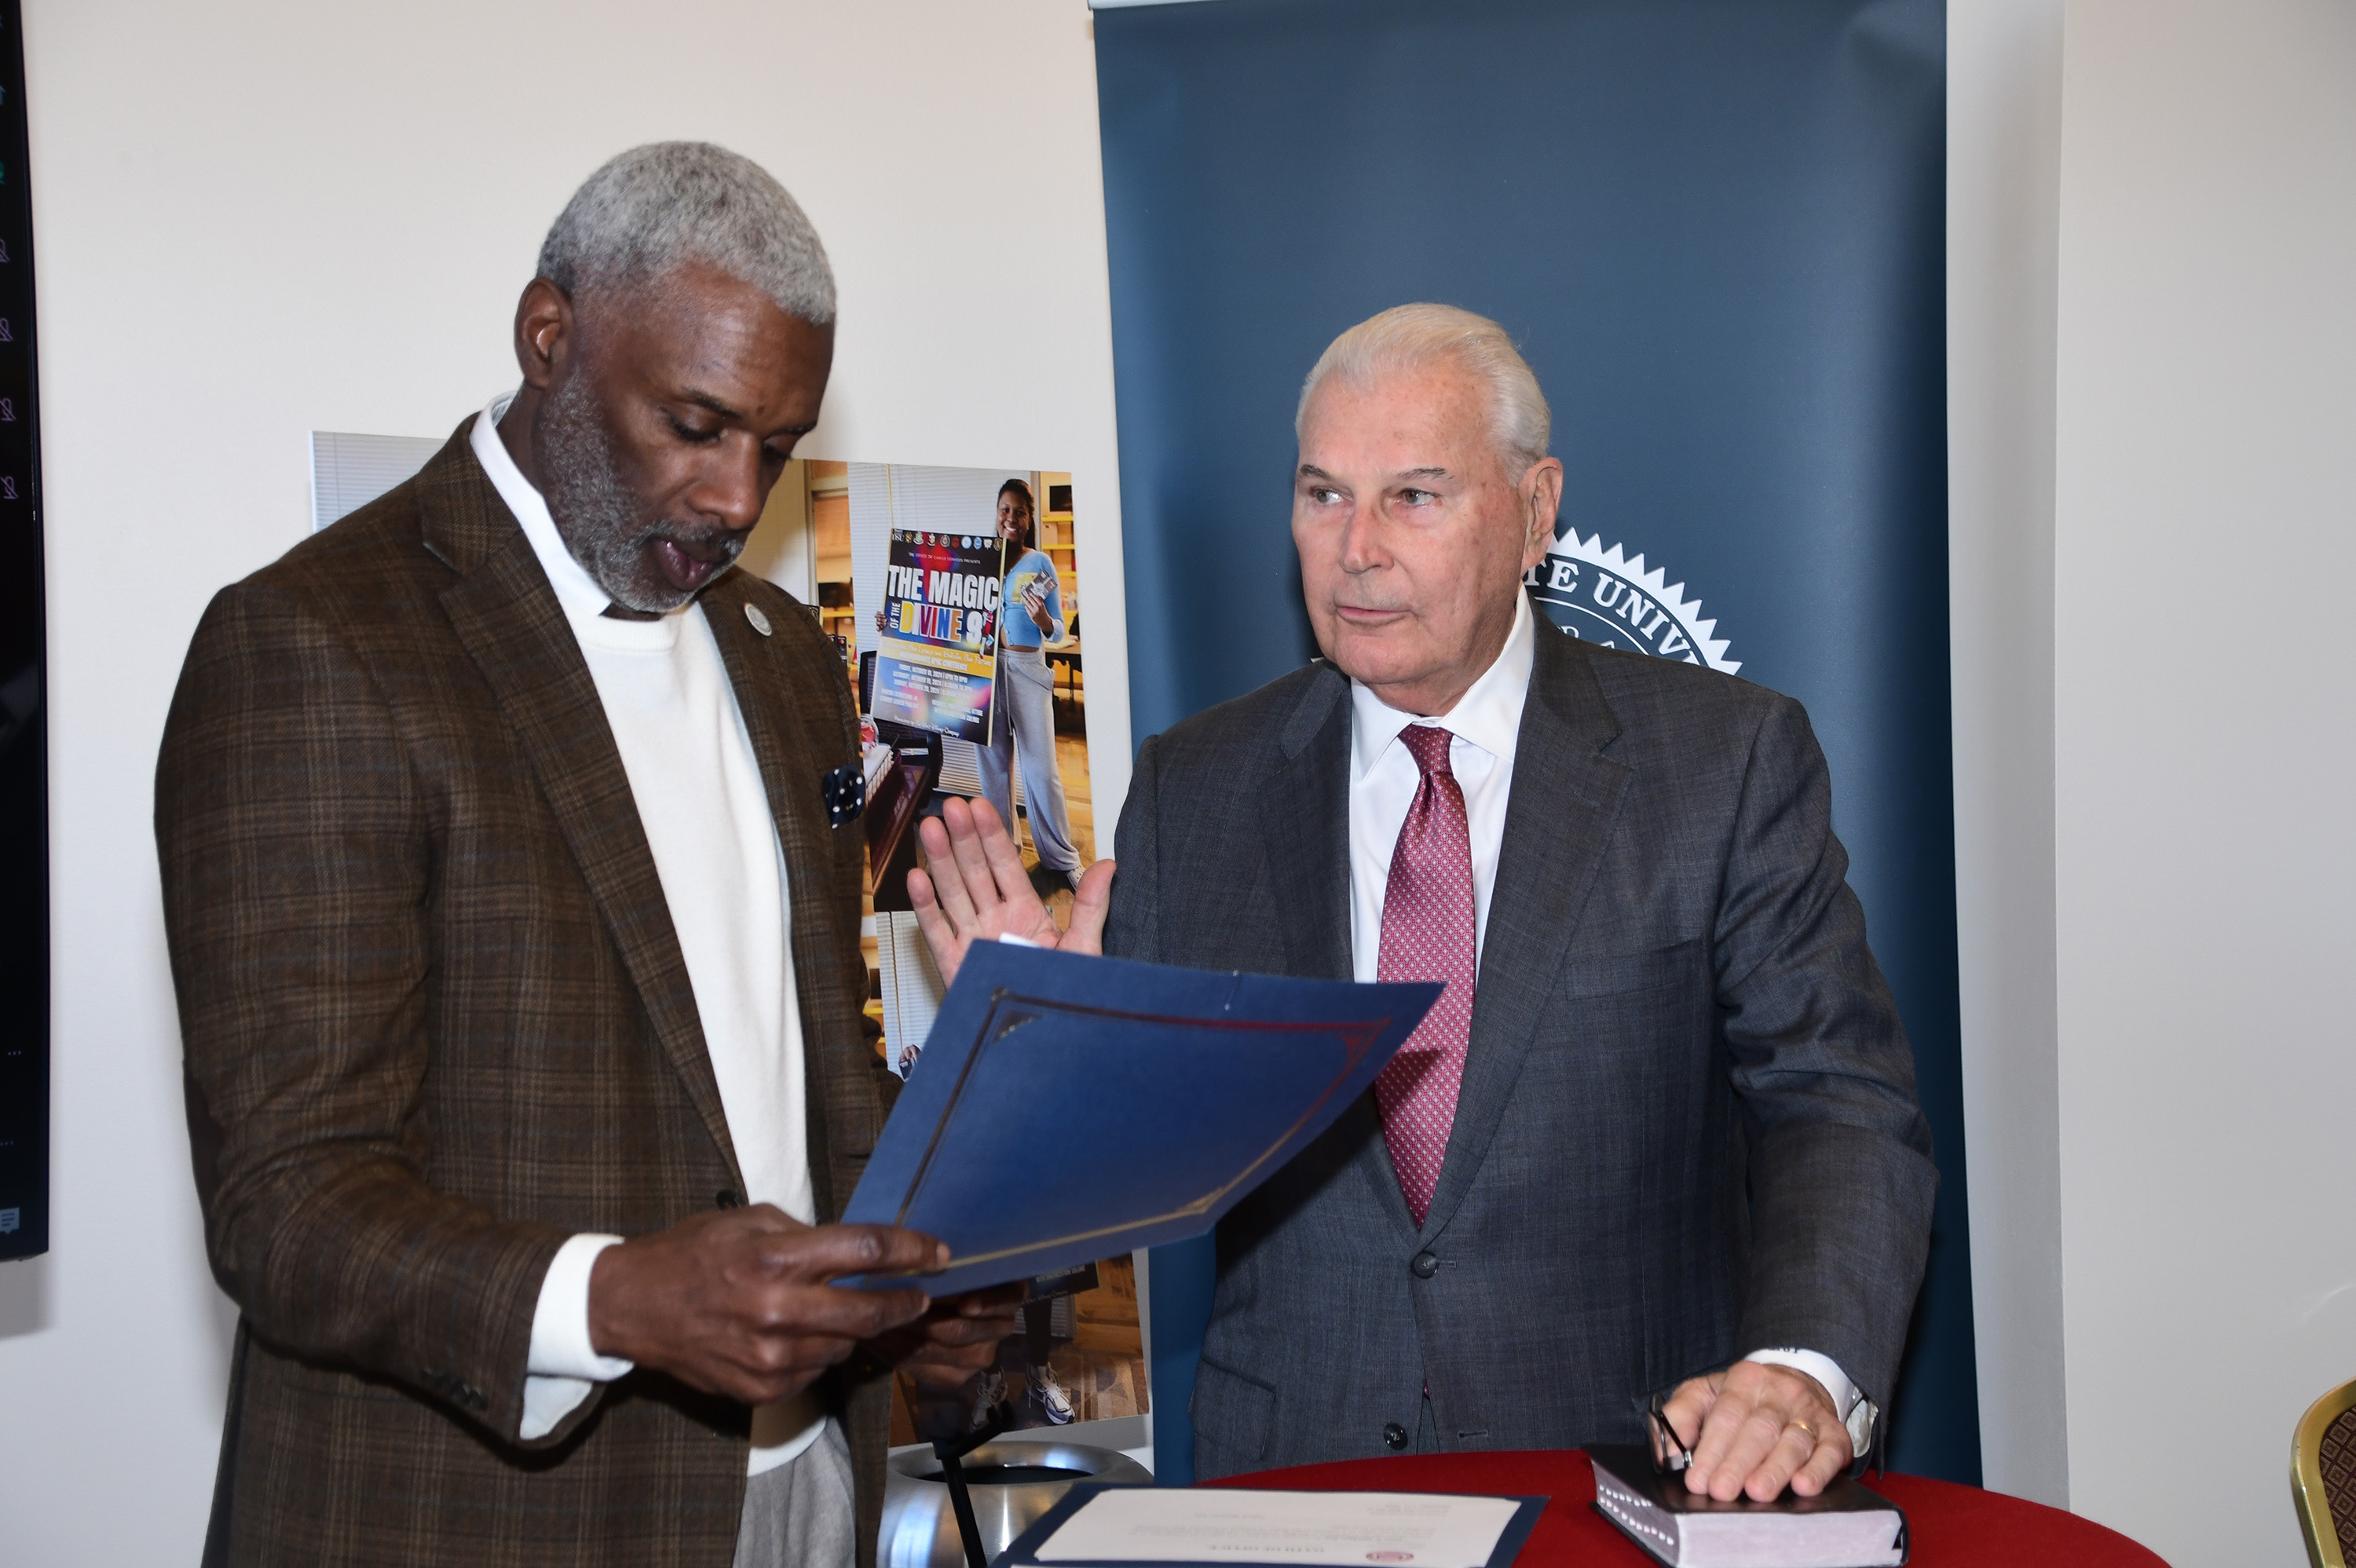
[602, 522]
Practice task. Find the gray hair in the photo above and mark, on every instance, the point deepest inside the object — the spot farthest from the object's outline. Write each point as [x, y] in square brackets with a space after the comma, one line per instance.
[1411, 336]
[655, 207]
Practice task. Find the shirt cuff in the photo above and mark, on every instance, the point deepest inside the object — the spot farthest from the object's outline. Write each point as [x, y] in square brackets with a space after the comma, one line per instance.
[563, 1365]
[1823, 1369]
[1846, 1402]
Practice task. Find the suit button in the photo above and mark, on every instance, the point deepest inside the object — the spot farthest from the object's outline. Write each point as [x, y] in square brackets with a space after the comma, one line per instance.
[728, 1197]
[1394, 1437]
[1424, 1267]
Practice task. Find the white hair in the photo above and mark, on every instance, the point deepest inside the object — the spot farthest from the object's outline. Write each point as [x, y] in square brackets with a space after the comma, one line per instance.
[655, 207]
[1412, 336]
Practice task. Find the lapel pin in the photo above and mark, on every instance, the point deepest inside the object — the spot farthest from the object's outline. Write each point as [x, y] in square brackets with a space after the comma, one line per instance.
[760, 622]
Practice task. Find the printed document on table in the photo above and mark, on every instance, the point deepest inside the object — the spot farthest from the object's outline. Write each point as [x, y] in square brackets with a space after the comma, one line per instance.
[1162, 1524]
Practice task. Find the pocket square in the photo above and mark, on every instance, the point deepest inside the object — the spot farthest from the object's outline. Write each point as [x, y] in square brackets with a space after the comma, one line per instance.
[844, 790]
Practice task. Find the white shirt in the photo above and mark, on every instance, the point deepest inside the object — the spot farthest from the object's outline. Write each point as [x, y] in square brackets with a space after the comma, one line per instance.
[1484, 726]
[1485, 723]
[706, 814]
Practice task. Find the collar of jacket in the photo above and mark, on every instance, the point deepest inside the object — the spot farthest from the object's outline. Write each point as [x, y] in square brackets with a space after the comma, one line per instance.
[1567, 793]
[508, 618]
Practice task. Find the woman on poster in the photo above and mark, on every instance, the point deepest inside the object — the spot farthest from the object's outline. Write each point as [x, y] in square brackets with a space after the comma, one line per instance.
[1030, 616]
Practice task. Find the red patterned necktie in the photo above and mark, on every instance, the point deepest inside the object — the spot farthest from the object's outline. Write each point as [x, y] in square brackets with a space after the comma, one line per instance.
[1430, 932]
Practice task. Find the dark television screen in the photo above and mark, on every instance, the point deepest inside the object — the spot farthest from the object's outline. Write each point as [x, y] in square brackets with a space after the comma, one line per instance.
[24, 749]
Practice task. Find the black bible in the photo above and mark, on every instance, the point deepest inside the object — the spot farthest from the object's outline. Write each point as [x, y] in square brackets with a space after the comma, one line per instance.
[1845, 1526]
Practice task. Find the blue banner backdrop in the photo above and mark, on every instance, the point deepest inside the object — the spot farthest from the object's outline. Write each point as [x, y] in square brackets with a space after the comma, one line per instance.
[1716, 229]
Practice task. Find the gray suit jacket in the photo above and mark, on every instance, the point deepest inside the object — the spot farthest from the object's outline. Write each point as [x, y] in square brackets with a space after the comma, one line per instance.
[1687, 1127]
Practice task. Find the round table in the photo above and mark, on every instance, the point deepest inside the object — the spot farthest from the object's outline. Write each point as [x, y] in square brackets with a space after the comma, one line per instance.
[1951, 1526]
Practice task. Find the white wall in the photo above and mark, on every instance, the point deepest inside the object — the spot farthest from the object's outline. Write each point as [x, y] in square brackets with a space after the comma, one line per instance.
[2152, 743]
[255, 220]
[2004, 157]
[2204, 544]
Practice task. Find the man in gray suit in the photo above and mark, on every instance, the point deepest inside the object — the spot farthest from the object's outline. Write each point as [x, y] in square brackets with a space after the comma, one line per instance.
[1661, 1132]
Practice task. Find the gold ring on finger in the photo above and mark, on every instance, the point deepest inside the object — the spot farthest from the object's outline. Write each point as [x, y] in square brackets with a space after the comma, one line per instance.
[1803, 1427]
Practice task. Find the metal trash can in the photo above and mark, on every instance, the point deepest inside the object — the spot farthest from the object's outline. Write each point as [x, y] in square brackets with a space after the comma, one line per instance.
[1012, 1484]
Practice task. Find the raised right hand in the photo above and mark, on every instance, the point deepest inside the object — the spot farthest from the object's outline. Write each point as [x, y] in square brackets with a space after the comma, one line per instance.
[736, 1302]
[972, 887]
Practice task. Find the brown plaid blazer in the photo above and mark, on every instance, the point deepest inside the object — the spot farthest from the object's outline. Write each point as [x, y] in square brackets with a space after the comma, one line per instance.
[436, 1021]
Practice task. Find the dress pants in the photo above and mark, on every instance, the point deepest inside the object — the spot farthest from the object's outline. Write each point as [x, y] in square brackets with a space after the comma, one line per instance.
[1026, 733]
[801, 1515]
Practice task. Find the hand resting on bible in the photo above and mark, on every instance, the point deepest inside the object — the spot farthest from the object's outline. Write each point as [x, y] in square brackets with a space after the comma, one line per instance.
[1755, 1427]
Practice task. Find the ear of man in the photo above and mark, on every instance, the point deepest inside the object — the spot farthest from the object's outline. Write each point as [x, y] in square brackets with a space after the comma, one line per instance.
[543, 331]
[546, 334]
[1541, 490]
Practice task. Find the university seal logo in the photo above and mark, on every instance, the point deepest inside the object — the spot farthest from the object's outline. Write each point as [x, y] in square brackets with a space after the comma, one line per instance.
[1604, 597]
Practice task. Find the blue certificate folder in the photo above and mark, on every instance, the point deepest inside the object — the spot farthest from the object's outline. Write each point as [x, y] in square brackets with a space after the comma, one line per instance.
[1069, 1108]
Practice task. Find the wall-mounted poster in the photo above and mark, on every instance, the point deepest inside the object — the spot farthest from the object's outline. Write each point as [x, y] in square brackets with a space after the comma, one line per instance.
[973, 572]
[1032, 762]
[936, 666]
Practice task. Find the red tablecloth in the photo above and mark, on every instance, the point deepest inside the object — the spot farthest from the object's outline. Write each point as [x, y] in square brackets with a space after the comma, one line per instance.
[1951, 1526]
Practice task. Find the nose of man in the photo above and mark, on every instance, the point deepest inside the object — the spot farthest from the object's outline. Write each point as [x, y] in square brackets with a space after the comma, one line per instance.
[1361, 546]
[730, 487]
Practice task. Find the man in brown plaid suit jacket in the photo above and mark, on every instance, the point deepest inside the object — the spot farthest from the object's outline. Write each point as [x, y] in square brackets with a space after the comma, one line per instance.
[439, 1017]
